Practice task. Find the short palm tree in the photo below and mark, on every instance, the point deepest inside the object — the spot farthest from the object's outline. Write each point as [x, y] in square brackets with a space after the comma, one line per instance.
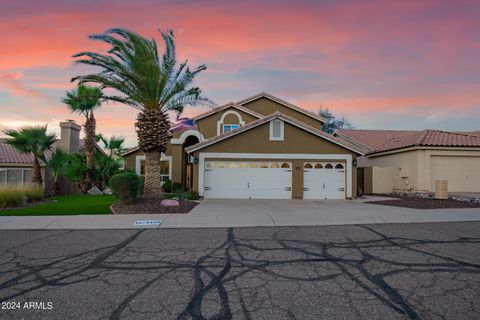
[114, 148]
[57, 163]
[84, 100]
[35, 141]
[153, 85]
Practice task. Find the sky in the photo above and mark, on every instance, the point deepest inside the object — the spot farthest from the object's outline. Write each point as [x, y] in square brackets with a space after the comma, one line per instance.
[382, 64]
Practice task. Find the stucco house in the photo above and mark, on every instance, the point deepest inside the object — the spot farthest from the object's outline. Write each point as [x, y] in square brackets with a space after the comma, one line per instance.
[260, 147]
[411, 161]
[16, 168]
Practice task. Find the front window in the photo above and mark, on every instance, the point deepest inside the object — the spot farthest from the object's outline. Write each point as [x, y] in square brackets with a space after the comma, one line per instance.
[15, 177]
[230, 127]
[164, 169]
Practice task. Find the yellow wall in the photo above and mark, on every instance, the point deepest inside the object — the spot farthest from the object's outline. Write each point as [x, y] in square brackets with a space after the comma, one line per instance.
[208, 125]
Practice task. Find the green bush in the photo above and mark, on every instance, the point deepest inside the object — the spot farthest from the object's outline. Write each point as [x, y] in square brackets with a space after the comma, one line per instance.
[126, 187]
[186, 195]
[176, 187]
[167, 186]
[10, 197]
[33, 193]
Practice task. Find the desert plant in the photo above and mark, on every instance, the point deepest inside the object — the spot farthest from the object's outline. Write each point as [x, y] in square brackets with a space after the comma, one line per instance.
[57, 164]
[35, 141]
[33, 193]
[151, 84]
[10, 197]
[109, 163]
[84, 100]
[125, 187]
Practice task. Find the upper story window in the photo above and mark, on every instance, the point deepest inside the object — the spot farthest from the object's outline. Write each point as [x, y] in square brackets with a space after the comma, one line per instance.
[229, 127]
[276, 130]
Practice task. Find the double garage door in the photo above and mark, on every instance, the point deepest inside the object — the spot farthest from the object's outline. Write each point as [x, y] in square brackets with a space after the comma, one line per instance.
[272, 180]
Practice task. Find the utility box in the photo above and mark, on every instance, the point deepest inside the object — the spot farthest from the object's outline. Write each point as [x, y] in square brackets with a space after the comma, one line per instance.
[441, 189]
[403, 171]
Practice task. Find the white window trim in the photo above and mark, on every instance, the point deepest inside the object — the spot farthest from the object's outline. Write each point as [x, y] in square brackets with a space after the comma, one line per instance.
[282, 156]
[138, 164]
[282, 131]
[241, 122]
[185, 135]
[5, 181]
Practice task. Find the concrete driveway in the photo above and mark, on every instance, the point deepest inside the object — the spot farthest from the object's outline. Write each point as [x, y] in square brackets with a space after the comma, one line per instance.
[253, 213]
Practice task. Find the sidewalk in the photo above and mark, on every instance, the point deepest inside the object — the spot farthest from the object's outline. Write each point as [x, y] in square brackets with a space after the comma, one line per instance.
[251, 213]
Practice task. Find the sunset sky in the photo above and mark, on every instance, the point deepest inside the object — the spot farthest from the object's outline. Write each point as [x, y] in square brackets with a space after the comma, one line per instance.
[382, 64]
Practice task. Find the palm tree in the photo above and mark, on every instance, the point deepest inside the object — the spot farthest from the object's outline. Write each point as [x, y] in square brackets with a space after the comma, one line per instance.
[109, 162]
[154, 86]
[84, 100]
[33, 140]
[57, 163]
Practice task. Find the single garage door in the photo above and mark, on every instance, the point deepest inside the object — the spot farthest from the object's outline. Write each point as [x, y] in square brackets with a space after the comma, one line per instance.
[248, 179]
[323, 180]
[462, 173]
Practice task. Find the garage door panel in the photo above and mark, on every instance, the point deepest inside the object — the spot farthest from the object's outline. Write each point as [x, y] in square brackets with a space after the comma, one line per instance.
[324, 180]
[248, 179]
[462, 173]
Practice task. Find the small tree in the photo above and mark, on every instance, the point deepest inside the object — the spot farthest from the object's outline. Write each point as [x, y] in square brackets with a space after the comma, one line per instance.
[333, 122]
[35, 141]
[57, 164]
[109, 164]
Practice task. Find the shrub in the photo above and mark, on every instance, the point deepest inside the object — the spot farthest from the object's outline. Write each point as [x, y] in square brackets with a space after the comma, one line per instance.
[125, 187]
[33, 193]
[10, 197]
[167, 186]
[176, 187]
[186, 195]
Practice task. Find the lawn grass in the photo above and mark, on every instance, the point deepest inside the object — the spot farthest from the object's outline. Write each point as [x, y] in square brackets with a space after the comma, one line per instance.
[66, 205]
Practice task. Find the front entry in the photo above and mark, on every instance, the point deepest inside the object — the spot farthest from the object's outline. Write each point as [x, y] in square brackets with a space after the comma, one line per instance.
[323, 180]
[248, 179]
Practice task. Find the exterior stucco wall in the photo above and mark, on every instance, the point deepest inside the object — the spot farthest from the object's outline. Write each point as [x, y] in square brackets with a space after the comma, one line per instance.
[417, 163]
[266, 107]
[208, 125]
[296, 141]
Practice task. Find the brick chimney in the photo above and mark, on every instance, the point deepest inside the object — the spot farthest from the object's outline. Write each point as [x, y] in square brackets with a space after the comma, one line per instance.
[70, 136]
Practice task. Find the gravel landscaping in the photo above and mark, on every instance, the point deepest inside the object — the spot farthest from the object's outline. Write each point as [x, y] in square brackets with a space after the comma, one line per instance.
[154, 205]
[421, 203]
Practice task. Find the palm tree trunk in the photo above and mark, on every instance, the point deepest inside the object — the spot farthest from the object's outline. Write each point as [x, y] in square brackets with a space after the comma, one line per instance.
[90, 127]
[37, 172]
[56, 187]
[152, 187]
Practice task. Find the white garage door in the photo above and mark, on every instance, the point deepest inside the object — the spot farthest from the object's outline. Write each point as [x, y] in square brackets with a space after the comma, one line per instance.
[248, 179]
[462, 173]
[323, 180]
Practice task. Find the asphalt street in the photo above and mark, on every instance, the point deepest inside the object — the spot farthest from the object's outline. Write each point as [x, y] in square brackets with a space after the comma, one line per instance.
[388, 271]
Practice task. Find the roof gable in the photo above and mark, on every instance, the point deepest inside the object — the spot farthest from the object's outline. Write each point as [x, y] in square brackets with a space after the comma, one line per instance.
[265, 95]
[267, 119]
[227, 106]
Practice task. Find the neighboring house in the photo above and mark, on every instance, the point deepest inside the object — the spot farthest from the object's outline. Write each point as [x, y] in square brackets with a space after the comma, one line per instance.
[16, 167]
[411, 161]
[260, 147]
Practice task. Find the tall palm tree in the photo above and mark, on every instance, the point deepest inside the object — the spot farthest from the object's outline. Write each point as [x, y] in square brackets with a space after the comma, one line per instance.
[153, 85]
[33, 140]
[84, 100]
[57, 164]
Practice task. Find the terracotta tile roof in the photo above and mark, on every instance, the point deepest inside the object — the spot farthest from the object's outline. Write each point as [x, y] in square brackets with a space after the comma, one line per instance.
[266, 119]
[9, 154]
[385, 140]
[282, 102]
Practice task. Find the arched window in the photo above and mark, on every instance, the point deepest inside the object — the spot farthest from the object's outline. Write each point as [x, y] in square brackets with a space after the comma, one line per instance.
[263, 165]
[285, 165]
[275, 165]
[339, 166]
[307, 166]
[318, 166]
[328, 166]
[253, 165]
[209, 164]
